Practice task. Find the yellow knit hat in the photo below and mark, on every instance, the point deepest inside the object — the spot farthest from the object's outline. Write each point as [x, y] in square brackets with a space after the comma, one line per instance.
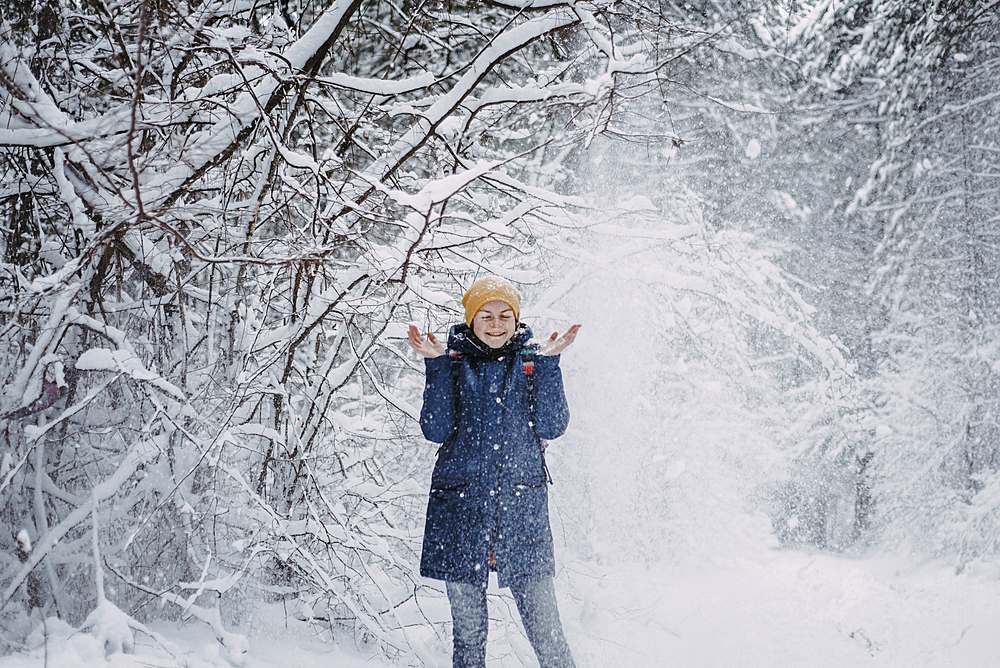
[490, 289]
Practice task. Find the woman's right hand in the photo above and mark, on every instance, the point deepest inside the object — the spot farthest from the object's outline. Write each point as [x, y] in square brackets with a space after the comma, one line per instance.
[428, 347]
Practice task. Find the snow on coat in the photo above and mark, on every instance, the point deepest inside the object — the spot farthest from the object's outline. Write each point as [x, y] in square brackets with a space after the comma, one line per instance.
[488, 489]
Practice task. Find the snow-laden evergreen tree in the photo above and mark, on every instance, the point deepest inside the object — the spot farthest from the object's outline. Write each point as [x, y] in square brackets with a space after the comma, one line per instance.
[910, 89]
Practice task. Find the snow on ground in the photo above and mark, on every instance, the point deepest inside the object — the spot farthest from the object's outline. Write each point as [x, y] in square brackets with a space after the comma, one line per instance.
[193, 644]
[768, 609]
[784, 608]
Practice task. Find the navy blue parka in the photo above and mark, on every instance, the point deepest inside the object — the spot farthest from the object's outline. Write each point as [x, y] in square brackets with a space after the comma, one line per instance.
[488, 490]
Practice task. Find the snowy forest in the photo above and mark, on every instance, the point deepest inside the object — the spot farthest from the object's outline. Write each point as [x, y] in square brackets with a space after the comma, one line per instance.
[778, 223]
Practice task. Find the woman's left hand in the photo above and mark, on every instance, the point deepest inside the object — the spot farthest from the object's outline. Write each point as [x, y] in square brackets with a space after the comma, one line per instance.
[556, 344]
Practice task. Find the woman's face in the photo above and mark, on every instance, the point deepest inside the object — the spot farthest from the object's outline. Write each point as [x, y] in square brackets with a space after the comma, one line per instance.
[494, 324]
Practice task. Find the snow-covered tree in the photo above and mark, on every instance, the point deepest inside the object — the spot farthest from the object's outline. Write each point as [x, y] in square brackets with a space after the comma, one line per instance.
[908, 91]
[220, 217]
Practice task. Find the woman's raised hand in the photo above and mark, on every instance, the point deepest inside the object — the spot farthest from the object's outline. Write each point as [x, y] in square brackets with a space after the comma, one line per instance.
[556, 344]
[428, 347]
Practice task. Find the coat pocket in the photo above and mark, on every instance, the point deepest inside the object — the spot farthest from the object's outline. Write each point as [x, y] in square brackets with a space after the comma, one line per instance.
[446, 486]
[529, 511]
[531, 481]
[448, 510]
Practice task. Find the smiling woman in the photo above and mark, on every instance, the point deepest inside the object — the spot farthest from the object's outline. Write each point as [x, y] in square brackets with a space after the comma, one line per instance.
[491, 401]
[494, 324]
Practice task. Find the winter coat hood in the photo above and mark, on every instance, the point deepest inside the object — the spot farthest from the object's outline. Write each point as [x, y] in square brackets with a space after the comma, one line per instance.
[463, 341]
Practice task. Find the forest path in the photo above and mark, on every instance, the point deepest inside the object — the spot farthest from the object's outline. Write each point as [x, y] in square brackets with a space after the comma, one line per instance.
[787, 608]
[748, 609]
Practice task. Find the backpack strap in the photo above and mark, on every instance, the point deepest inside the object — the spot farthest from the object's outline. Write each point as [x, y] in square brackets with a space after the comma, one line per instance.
[456, 370]
[456, 363]
[528, 363]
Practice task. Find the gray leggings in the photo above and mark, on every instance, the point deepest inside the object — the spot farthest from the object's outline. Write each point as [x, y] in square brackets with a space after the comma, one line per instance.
[536, 601]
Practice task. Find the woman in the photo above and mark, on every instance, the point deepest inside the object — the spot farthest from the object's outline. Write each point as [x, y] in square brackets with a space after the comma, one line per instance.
[492, 401]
